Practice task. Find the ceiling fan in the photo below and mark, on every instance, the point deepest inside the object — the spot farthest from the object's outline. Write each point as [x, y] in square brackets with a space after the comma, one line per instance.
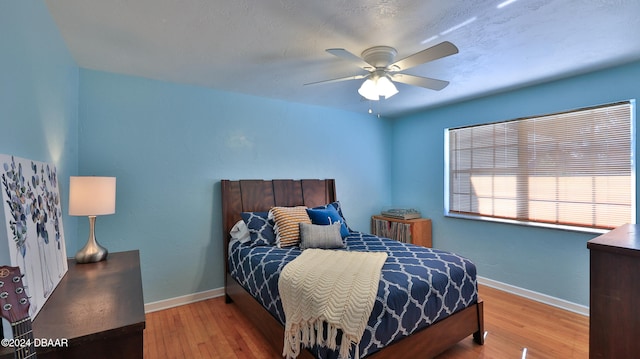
[383, 71]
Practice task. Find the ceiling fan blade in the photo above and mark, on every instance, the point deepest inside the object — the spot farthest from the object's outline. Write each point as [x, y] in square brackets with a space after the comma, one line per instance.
[426, 82]
[356, 77]
[438, 51]
[346, 55]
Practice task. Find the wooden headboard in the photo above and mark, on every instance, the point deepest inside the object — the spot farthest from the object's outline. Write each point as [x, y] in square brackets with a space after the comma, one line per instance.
[260, 195]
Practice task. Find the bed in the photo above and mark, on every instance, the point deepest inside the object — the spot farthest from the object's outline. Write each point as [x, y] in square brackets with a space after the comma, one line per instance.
[240, 196]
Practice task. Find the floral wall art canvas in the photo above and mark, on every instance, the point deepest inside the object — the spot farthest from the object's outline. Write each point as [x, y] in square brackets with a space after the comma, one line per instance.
[33, 221]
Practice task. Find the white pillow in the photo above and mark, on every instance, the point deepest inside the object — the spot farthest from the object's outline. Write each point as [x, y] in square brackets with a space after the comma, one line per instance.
[240, 232]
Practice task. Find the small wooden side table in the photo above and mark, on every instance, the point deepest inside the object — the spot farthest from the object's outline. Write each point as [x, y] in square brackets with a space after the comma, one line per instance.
[420, 229]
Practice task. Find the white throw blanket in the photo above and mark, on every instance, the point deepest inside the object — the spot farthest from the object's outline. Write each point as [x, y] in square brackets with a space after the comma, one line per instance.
[328, 286]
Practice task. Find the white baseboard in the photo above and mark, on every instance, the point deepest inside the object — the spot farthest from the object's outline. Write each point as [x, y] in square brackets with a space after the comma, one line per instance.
[182, 300]
[538, 297]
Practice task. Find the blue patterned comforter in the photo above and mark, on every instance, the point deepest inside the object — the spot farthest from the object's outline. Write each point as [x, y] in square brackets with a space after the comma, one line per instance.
[418, 286]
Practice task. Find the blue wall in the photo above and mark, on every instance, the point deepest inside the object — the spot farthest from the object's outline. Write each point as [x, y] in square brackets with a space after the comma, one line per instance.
[38, 97]
[169, 145]
[552, 262]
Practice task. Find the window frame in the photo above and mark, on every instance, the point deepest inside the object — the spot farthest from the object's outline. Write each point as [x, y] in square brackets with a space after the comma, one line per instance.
[531, 223]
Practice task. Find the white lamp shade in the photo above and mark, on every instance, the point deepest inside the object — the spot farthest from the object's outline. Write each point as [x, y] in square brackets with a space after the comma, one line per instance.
[385, 87]
[368, 90]
[92, 196]
[376, 86]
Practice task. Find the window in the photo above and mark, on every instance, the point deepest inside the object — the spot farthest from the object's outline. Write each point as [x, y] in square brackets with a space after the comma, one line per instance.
[569, 169]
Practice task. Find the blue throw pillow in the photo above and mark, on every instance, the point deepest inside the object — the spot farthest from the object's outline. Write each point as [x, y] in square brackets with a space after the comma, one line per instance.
[328, 215]
[260, 228]
[337, 206]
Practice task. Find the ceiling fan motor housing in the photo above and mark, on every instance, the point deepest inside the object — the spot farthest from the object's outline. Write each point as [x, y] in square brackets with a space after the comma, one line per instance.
[379, 56]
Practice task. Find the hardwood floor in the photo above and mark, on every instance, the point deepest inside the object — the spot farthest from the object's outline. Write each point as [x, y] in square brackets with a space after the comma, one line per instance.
[513, 323]
[213, 329]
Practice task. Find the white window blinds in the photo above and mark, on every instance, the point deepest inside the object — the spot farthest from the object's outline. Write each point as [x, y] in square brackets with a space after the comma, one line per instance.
[573, 168]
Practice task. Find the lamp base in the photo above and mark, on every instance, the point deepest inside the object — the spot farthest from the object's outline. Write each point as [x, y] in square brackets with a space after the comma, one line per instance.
[91, 255]
[92, 251]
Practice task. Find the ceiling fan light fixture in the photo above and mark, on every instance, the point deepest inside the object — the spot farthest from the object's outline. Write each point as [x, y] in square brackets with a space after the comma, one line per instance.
[376, 86]
[386, 87]
[368, 90]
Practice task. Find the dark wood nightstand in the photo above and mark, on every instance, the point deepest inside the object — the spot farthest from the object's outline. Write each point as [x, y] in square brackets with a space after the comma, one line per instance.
[98, 308]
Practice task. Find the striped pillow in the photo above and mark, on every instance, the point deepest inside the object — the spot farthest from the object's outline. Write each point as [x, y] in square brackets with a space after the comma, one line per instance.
[287, 224]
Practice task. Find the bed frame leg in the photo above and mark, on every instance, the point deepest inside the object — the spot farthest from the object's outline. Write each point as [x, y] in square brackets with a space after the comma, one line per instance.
[227, 299]
[478, 336]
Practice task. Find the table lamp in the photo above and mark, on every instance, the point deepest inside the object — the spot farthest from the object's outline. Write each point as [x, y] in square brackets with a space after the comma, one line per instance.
[92, 196]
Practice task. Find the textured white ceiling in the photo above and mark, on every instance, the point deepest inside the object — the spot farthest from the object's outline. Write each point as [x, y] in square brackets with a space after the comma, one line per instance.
[270, 48]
